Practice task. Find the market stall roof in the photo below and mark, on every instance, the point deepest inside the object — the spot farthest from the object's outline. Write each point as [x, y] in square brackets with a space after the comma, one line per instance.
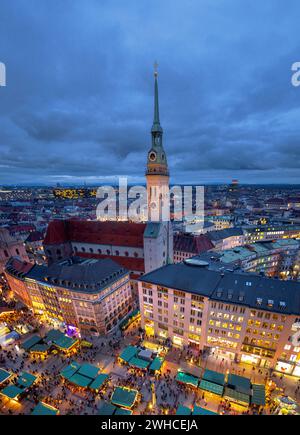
[4, 375]
[125, 397]
[11, 391]
[128, 353]
[99, 381]
[123, 411]
[156, 363]
[44, 409]
[69, 371]
[236, 396]
[107, 409]
[40, 348]
[65, 342]
[80, 380]
[258, 395]
[31, 342]
[88, 370]
[202, 411]
[26, 380]
[212, 387]
[183, 410]
[239, 383]
[139, 363]
[215, 377]
[53, 335]
[186, 378]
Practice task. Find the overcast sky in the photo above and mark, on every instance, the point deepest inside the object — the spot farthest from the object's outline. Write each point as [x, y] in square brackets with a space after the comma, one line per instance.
[78, 105]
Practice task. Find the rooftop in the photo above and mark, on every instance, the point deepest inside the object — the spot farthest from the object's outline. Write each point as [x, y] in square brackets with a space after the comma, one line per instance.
[236, 287]
[83, 275]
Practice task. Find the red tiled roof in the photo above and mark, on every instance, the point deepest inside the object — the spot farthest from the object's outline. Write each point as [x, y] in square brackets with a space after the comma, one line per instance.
[20, 266]
[103, 233]
[195, 244]
[130, 263]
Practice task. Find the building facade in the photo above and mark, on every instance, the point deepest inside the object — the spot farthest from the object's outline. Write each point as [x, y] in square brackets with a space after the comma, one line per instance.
[91, 295]
[246, 317]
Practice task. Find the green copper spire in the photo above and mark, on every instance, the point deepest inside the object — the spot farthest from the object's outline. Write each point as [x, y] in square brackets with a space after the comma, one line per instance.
[156, 127]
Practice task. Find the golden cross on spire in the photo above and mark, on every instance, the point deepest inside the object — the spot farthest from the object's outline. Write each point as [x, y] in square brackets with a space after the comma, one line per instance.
[155, 68]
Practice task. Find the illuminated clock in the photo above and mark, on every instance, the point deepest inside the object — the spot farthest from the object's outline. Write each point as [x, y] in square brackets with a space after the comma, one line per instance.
[152, 156]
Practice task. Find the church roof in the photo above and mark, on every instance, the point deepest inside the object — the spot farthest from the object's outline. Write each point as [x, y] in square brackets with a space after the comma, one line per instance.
[104, 233]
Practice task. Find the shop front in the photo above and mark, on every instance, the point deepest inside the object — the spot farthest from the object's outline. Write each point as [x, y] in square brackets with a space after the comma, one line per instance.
[284, 367]
[177, 341]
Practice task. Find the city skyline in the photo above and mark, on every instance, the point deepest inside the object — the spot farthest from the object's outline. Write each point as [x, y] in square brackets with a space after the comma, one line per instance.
[81, 110]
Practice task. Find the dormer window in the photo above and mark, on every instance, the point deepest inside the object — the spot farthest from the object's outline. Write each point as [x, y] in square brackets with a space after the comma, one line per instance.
[259, 301]
[282, 304]
[241, 296]
[270, 302]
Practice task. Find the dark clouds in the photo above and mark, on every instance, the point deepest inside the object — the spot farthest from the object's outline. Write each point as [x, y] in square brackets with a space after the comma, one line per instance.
[78, 104]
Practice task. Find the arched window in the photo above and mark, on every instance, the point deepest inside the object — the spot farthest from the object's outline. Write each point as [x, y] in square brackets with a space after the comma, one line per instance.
[136, 254]
[91, 250]
[6, 253]
[117, 253]
[83, 249]
[17, 251]
[126, 254]
[108, 252]
[99, 250]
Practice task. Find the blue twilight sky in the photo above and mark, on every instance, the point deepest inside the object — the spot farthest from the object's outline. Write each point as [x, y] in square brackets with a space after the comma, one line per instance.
[78, 104]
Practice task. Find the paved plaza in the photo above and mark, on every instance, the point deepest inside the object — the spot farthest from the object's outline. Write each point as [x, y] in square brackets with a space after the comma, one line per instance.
[157, 394]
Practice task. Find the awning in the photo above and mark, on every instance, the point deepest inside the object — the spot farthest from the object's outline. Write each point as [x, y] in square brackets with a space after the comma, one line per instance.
[139, 363]
[107, 409]
[11, 392]
[88, 370]
[40, 348]
[124, 397]
[236, 396]
[65, 343]
[183, 410]
[239, 383]
[258, 395]
[44, 409]
[69, 371]
[80, 380]
[186, 378]
[203, 411]
[99, 381]
[26, 380]
[123, 411]
[214, 377]
[4, 375]
[128, 353]
[210, 386]
[156, 364]
[31, 342]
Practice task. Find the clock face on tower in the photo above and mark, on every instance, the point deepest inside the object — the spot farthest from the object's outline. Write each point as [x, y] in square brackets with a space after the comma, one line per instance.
[152, 156]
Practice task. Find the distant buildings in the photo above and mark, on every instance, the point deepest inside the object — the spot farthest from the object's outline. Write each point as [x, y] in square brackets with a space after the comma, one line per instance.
[91, 295]
[247, 317]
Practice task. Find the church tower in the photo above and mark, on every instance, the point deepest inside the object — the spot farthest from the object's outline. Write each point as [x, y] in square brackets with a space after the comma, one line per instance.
[157, 173]
[158, 236]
